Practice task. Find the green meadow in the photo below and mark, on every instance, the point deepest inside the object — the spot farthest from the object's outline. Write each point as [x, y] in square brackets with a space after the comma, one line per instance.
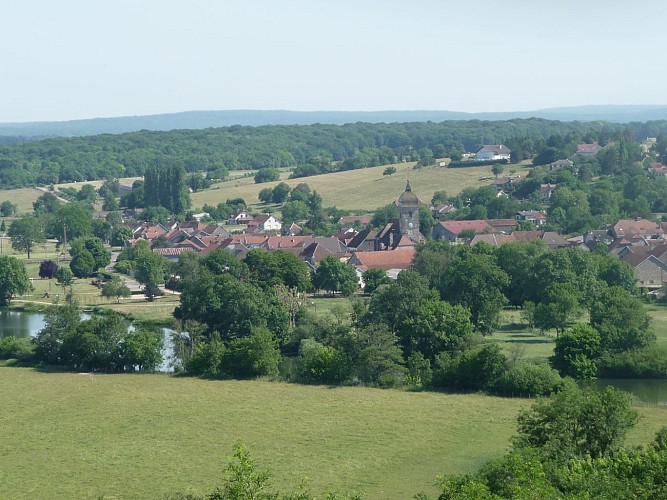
[71, 435]
[364, 189]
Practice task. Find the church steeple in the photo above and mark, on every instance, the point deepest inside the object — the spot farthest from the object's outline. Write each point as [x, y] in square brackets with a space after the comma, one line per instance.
[408, 213]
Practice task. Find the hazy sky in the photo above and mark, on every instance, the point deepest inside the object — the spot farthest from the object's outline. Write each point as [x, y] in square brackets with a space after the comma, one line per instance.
[70, 59]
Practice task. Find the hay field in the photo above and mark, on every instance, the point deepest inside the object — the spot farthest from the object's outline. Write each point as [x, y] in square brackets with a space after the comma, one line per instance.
[365, 189]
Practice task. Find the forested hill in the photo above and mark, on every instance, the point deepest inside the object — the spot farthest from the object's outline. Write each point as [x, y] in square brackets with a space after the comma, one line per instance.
[357, 145]
[11, 132]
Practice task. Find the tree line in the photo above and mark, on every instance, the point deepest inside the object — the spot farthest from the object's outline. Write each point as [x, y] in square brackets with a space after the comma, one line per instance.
[308, 148]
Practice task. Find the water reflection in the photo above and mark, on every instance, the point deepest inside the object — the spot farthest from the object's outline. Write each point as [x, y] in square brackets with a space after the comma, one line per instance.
[22, 324]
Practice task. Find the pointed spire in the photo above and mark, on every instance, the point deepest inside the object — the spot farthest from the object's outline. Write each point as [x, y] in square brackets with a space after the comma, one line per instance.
[407, 186]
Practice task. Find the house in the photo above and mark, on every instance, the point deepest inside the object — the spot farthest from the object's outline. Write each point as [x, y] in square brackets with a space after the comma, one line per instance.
[202, 215]
[350, 220]
[264, 223]
[450, 230]
[650, 264]
[506, 182]
[171, 254]
[240, 216]
[657, 170]
[537, 217]
[546, 190]
[560, 164]
[588, 150]
[493, 152]
[635, 228]
[364, 241]
[552, 239]
[387, 259]
[443, 209]
[503, 225]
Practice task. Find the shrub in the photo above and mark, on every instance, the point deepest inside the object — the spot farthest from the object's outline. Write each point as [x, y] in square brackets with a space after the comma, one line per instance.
[528, 380]
[124, 266]
[12, 347]
[256, 355]
[650, 362]
[322, 363]
[474, 369]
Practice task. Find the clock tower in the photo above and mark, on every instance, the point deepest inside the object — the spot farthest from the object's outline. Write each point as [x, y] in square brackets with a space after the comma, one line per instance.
[408, 214]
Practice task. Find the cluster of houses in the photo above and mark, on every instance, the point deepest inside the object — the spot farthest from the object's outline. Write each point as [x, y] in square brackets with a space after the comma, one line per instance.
[640, 243]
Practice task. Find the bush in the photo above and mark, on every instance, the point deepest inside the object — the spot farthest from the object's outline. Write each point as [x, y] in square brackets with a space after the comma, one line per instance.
[12, 347]
[322, 364]
[475, 369]
[124, 266]
[256, 355]
[650, 362]
[528, 380]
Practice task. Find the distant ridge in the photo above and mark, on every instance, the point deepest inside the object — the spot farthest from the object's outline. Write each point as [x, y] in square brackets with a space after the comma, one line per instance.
[208, 119]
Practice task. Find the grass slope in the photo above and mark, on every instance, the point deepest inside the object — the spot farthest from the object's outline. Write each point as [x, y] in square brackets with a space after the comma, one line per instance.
[364, 189]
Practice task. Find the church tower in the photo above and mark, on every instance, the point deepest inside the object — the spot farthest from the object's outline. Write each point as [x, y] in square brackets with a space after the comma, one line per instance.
[408, 214]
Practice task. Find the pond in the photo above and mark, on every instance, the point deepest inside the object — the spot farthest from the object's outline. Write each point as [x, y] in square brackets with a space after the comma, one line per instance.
[645, 392]
[24, 324]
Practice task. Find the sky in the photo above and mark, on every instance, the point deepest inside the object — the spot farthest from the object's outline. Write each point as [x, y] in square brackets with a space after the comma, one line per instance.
[74, 59]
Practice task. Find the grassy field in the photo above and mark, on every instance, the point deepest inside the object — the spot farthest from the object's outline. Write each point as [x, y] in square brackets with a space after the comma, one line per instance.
[364, 189]
[22, 198]
[68, 435]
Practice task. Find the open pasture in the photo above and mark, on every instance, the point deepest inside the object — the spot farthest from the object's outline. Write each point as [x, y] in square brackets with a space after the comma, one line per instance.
[364, 189]
[71, 435]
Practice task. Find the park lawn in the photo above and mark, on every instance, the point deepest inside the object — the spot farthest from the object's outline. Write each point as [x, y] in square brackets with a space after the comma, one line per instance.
[89, 296]
[363, 190]
[69, 435]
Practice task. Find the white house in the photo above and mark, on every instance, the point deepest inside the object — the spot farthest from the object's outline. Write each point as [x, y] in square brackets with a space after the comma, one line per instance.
[493, 152]
[265, 223]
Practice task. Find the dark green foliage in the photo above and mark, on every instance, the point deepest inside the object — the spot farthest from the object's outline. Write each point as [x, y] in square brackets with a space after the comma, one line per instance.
[100, 343]
[621, 319]
[116, 288]
[21, 349]
[13, 279]
[335, 276]
[94, 245]
[26, 233]
[230, 306]
[48, 269]
[322, 364]
[528, 380]
[576, 423]
[83, 264]
[280, 192]
[476, 282]
[384, 216]
[373, 278]
[649, 362]
[474, 369]
[255, 355]
[7, 208]
[278, 268]
[267, 174]
[576, 352]
[312, 148]
[71, 220]
[141, 350]
[149, 271]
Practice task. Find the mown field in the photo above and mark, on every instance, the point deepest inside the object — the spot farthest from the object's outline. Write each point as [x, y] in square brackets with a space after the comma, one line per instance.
[69, 435]
[365, 189]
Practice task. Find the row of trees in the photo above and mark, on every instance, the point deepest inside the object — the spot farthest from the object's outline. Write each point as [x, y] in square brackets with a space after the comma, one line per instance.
[313, 148]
